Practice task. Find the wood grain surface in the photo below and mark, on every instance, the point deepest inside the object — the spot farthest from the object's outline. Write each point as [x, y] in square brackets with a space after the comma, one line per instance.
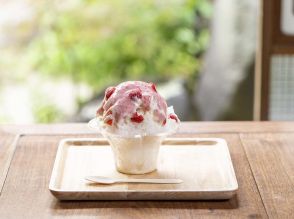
[185, 127]
[7, 147]
[262, 155]
[271, 158]
[26, 195]
[204, 165]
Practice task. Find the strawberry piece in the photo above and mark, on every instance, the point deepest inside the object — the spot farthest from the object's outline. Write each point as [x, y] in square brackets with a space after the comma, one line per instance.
[109, 91]
[174, 117]
[135, 94]
[137, 118]
[164, 122]
[153, 87]
[109, 122]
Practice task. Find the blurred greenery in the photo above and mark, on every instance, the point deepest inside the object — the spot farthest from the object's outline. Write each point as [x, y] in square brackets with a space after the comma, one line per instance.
[94, 44]
[102, 42]
[47, 113]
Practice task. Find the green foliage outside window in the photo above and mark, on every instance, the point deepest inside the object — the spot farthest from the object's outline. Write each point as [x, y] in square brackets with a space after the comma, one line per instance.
[102, 42]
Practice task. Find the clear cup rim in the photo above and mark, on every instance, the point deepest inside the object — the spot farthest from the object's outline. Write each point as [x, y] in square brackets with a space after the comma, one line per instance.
[94, 124]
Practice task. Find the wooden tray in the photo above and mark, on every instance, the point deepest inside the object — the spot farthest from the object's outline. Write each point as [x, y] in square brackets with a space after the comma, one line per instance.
[204, 164]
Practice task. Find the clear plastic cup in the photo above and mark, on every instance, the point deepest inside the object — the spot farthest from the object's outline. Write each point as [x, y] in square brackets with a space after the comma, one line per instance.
[133, 155]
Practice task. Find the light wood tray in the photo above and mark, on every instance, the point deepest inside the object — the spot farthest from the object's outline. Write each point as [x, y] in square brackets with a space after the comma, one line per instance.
[204, 164]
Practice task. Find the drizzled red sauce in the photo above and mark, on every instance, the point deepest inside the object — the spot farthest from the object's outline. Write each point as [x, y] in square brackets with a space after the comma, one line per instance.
[129, 101]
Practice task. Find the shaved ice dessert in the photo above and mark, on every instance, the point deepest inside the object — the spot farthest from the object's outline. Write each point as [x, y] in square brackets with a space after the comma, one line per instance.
[135, 119]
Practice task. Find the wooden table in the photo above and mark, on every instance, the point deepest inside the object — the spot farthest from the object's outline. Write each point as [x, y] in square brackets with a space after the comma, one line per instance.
[262, 154]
